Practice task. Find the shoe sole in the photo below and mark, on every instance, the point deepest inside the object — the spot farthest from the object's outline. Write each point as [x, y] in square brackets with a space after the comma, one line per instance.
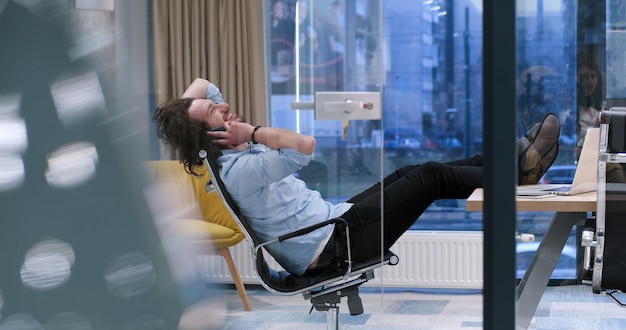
[541, 150]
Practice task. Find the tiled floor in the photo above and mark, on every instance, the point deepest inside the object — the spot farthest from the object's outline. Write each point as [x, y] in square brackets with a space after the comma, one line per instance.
[563, 307]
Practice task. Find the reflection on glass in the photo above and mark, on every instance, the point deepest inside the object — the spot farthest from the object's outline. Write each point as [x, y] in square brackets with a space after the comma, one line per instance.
[72, 164]
[76, 97]
[13, 137]
[11, 172]
[130, 274]
[144, 322]
[64, 321]
[47, 265]
[19, 321]
[13, 142]
[9, 105]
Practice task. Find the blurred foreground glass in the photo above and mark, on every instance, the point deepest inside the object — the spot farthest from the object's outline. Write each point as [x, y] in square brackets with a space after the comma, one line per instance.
[78, 245]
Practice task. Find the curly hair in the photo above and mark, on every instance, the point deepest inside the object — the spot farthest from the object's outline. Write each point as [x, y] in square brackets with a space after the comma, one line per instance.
[185, 135]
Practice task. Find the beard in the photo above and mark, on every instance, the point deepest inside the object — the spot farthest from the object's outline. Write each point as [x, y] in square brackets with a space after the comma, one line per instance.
[230, 116]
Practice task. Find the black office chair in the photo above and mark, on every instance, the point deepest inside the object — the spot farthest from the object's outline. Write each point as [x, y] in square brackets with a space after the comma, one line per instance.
[324, 288]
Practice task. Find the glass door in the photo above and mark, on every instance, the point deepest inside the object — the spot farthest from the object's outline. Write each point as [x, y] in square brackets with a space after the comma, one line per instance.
[328, 46]
[325, 71]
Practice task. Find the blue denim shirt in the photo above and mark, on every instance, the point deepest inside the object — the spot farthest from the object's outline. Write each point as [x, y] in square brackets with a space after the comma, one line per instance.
[260, 181]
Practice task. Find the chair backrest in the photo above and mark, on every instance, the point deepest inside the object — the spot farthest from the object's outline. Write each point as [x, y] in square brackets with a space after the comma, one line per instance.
[187, 186]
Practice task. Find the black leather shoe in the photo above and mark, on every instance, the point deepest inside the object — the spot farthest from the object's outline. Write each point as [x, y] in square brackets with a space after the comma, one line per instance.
[538, 149]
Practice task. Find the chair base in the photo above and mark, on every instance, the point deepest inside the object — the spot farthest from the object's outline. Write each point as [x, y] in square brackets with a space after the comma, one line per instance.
[327, 299]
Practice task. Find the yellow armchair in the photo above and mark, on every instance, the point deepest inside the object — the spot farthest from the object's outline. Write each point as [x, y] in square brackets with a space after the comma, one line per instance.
[206, 224]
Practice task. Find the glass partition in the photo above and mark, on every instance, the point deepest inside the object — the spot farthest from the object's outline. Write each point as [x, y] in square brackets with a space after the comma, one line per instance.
[425, 57]
[332, 49]
[322, 46]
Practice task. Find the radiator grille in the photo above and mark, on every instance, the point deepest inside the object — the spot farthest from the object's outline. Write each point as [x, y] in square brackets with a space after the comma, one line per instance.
[428, 259]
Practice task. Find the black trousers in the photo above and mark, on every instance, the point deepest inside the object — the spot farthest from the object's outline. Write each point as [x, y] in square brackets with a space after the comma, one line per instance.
[406, 194]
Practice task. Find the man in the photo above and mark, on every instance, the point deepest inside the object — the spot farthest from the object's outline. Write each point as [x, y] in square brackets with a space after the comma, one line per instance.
[257, 163]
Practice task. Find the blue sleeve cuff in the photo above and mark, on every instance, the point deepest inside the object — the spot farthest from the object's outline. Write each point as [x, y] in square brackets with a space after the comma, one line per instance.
[213, 93]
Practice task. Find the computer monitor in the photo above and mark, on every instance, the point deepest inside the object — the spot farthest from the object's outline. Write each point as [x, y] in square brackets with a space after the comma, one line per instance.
[616, 120]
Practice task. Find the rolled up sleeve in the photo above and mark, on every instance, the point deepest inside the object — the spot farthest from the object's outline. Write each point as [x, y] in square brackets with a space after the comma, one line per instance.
[213, 93]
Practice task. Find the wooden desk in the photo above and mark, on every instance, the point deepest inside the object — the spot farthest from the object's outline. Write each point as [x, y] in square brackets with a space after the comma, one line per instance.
[578, 203]
[569, 211]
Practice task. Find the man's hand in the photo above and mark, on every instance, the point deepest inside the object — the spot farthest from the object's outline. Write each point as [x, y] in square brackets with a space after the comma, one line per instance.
[235, 134]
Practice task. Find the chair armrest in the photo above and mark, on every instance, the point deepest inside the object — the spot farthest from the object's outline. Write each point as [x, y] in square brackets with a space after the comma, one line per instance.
[309, 229]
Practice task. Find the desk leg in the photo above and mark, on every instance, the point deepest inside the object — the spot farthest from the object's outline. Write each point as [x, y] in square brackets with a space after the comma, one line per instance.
[536, 277]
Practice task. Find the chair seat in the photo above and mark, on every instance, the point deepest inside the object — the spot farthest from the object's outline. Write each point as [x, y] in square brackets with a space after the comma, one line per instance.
[200, 230]
[284, 282]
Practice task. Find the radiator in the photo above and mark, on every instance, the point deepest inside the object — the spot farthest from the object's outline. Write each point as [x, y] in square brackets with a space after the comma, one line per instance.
[428, 259]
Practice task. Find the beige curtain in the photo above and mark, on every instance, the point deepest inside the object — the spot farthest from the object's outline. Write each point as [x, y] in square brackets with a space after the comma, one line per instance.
[219, 40]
